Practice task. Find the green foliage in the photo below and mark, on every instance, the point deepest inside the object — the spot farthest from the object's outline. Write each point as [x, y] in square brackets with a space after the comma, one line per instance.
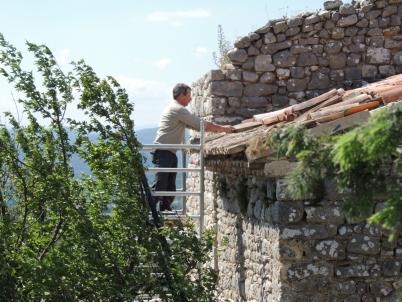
[364, 162]
[295, 143]
[87, 238]
[221, 57]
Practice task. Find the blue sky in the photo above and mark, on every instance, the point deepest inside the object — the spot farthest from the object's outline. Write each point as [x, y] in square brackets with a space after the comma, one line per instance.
[147, 45]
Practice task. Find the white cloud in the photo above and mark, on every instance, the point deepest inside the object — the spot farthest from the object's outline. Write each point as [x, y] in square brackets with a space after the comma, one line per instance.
[63, 56]
[162, 63]
[200, 51]
[176, 18]
[149, 97]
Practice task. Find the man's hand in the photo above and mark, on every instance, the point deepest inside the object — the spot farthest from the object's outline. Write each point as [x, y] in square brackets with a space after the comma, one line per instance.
[212, 127]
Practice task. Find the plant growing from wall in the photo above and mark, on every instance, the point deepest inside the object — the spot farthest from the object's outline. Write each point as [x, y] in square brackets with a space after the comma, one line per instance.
[86, 238]
[365, 163]
[221, 57]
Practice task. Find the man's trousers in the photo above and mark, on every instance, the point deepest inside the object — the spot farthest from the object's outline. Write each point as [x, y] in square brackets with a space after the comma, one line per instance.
[164, 181]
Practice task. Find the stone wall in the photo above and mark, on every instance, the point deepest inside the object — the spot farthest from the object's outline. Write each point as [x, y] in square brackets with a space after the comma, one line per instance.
[268, 246]
[293, 59]
[271, 247]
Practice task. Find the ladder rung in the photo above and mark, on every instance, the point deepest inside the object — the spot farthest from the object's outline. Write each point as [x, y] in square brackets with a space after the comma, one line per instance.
[174, 193]
[150, 147]
[174, 170]
[178, 217]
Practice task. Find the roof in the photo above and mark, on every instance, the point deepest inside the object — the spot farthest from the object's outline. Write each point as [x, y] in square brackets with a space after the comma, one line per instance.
[327, 113]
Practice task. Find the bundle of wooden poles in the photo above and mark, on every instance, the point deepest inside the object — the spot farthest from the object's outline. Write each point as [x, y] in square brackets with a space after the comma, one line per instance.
[332, 105]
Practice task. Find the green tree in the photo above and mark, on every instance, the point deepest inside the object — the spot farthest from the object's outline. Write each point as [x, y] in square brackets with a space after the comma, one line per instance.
[221, 57]
[364, 162]
[86, 238]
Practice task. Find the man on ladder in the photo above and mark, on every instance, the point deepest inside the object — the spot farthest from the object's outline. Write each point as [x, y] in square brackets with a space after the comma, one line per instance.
[174, 120]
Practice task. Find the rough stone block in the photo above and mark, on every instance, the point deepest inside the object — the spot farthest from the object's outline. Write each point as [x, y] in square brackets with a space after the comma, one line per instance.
[280, 27]
[233, 74]
[378, 55]
[353, 74]
[356, 270]
[298, 49]
[292, 31]
[253, 51]
[370, 71]
[280, 100]
[250, 76]
[214, 75]
[337, 61]
[309, 41]
[275, 47]
[294, 85]
[355, 48]
[311, 231]
[225, 88]
[263, 63]
[291, 250]
[372, 230]
[389, 10]
[390, 43]
[381, 289]
[397, 59]
[249, 64]
[242, 42]
[297, 72]
[254, 102]
[363, 244]
[347, 9]
[332, 5]
[330, 249]
[324, 214]
[268, 77]
[363, 23]
[351, 31]
[260, 89]
[314, 18]
[237, 55]
[284, 59]
[319, 81]
[391, 268]
[338, 33]
[306, 59]
[348, 21]
[346, 287]
[333, 47]
[387, 70]
[300, 271]
[287, 212]
[282, 73]
[269, 38]
[295, 21]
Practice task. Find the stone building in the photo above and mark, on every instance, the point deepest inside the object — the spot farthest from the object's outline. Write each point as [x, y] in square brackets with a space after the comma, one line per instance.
[270, 247]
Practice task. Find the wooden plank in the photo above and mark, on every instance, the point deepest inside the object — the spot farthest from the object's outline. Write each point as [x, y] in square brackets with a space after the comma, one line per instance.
[315, 101]
[340, 124]
[330, 117]
[361, 98]
[246, 126]
[324, 111]
[358, 108]
[334, 101]
[391, 95]
[279, 168]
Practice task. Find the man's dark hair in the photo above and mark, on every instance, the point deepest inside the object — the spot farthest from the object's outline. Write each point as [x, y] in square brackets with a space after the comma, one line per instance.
[179, 89]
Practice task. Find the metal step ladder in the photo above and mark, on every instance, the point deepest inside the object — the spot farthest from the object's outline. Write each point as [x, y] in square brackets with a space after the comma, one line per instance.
[180, 214]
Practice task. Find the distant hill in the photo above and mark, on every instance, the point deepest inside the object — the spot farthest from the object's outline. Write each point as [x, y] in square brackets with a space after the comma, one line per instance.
[144, 136]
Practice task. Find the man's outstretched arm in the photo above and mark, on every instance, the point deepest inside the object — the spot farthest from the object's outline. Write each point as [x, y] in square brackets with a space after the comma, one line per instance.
[212, 127]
